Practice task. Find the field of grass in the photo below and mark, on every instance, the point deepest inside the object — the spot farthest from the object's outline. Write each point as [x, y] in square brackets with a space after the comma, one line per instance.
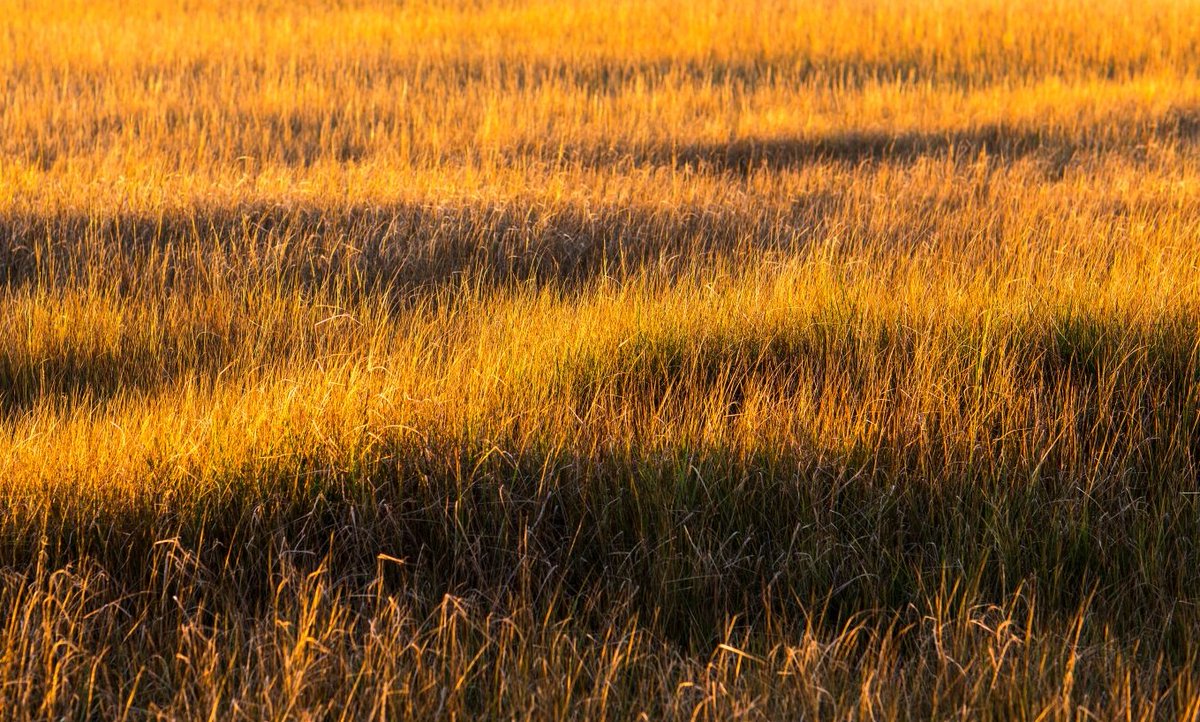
[649, 359]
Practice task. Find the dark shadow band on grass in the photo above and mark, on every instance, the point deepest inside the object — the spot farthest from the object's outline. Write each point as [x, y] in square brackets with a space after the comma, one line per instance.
[325, 134]
[394, 249]
[691, 534]
[330, 135]
[688, 537]
[1054, 149]
[401, 248]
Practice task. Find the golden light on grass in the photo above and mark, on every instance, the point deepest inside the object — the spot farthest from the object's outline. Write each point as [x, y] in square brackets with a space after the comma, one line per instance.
[691, 360]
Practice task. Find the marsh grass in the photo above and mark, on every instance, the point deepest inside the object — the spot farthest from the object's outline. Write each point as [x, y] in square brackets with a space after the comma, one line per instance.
[528, 360]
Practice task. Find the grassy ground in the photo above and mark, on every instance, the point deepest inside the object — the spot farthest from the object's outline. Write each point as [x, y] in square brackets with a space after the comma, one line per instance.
[693, 360]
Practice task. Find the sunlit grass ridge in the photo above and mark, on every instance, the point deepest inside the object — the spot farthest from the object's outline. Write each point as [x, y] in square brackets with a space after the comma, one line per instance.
[830, 360]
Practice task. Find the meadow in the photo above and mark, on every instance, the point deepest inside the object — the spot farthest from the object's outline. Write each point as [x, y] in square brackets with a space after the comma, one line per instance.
[666, 359]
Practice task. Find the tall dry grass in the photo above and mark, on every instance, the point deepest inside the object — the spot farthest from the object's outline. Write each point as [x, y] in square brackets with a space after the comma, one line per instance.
[831, 360]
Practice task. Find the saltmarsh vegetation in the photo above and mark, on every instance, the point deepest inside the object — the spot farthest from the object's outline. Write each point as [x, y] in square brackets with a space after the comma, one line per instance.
[697, 360]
